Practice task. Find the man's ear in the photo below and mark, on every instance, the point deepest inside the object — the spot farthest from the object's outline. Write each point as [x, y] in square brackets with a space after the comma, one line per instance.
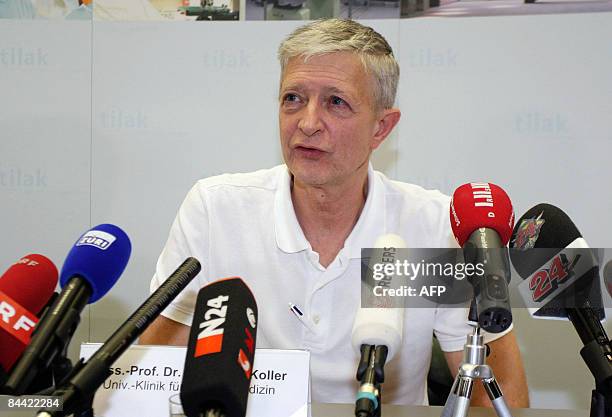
[387, 120]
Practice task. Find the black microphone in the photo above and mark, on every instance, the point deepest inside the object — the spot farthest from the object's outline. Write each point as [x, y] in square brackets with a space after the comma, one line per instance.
[92, 267]
[482, 217]
[221, 351]
[562, 277]
[560, 269]
[78, 391]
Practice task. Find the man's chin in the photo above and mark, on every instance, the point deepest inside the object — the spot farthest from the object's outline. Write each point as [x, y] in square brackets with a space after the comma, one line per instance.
[313, 181]
[312, 177]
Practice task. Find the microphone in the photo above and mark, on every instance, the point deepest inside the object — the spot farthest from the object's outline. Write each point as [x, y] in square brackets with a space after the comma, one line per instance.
[377, 334]
[221, 351]
[560, 270]
[561, 276]
[78, 392]
[25, 289]
[93, 265]
[481, 218]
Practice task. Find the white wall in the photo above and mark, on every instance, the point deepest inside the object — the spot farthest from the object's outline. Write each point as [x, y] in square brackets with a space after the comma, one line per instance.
[114, 121]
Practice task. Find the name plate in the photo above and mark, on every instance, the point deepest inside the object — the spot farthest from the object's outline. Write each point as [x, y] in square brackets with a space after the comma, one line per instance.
[145, 377]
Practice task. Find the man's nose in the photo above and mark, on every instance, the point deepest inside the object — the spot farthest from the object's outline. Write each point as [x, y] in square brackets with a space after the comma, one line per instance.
[310, 121]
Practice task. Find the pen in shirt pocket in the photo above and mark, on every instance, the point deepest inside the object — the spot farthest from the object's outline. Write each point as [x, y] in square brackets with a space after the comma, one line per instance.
[300, 316]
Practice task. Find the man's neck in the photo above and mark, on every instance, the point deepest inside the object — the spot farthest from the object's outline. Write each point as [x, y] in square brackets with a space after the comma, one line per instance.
[327, 214]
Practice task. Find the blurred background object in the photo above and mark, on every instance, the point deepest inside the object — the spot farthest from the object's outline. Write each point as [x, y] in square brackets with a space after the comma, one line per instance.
[17, 9]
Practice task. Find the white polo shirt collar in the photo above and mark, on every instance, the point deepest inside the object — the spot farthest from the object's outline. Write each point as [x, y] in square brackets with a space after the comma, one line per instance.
[291, 239]
[289, 235]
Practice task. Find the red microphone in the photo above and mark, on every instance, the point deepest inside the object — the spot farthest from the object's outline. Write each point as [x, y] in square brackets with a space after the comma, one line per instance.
[481, 204]
[25, 288]
[482, 219]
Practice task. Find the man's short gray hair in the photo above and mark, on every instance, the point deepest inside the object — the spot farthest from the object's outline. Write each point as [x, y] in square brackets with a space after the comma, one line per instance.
[340, 35]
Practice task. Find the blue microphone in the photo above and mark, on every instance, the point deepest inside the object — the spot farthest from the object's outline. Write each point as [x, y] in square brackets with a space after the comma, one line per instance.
[99, 258]
[93, 265]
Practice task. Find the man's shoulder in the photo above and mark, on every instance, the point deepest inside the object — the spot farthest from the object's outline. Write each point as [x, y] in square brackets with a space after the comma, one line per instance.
[264, 179]
[413, 194]
[420, 215]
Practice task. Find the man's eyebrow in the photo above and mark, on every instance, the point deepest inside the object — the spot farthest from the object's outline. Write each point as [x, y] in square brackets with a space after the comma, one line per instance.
[297, 87]
[336, 90]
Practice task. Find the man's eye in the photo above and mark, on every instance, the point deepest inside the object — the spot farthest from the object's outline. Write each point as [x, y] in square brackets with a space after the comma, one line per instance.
[291, 98]
[337, 101]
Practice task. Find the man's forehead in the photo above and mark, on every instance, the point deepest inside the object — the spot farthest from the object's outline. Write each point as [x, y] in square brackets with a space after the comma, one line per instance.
[333, 72]
[343, 60]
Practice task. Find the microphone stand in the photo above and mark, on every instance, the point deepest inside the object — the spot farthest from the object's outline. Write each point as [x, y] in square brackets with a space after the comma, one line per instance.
[474, 368]
[597, 354]
[84, 408]
[54, 340]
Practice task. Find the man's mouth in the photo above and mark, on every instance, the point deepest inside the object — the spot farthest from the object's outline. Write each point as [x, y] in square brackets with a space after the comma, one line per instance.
[309, 152]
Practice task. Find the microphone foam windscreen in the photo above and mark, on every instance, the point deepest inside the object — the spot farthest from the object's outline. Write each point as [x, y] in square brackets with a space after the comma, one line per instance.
[100, 257]
[543, 226]
[379, 320]
[30, 282]
[475, 205]
[221, 350]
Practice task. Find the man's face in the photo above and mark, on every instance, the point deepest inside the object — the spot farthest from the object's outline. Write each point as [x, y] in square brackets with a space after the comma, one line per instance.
[327, 118]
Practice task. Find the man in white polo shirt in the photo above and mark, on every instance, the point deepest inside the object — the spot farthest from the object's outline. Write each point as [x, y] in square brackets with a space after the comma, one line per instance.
[295, 232]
